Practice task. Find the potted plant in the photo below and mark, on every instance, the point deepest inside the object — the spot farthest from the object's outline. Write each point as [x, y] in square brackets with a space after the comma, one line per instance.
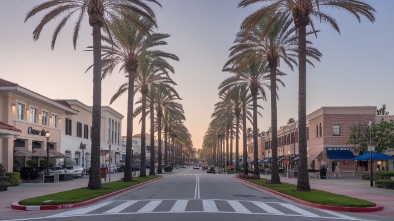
[3, 179]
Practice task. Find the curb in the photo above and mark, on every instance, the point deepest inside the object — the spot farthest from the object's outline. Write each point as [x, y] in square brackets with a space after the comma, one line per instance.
[320, 206]
[16, 206]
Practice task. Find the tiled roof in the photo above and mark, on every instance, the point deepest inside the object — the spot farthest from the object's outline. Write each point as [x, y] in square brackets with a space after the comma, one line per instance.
[8, 127]
[6, 83]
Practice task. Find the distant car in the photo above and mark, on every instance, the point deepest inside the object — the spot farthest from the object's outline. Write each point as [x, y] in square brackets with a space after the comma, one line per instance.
[211, 170]
[113, 169]
[136, 166]
[196, 166]
[183, 166]
[76, 170]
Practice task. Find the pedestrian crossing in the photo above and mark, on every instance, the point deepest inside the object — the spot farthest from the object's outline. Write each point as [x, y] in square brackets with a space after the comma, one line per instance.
[122, 207]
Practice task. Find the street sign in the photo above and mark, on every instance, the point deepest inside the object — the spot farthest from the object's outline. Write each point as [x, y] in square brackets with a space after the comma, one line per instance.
[371, 148]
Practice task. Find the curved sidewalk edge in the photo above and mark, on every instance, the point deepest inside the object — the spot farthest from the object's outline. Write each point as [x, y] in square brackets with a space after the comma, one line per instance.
[320, 206]
[16, 206]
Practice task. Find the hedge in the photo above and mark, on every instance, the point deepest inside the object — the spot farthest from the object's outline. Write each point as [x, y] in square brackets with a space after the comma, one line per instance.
[379, 175]
[386, 184]
[14, 178]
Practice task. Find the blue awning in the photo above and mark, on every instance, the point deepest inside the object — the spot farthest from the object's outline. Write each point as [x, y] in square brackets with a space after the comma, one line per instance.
[339, 154]
[375, 156]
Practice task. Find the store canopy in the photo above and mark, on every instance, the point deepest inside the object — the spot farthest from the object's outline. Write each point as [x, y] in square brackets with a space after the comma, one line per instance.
[375, 156]
[340, 153]
[22, 152]
[313, 153]
[57, 154]
[42, 153]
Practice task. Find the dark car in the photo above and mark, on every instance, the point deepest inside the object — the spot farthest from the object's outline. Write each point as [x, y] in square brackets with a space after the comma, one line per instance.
[211, 170]
[136, 166]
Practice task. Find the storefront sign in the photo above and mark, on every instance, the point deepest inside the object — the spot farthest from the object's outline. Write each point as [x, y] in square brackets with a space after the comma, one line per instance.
[338, 148]
[30, 130]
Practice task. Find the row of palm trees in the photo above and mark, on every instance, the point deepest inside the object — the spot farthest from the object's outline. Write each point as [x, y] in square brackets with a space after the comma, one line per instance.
[275, 33]
[130, 44]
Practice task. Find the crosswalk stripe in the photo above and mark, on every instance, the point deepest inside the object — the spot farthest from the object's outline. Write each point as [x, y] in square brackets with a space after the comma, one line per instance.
[150, 206]
[338, 214]
[120, 207]
[83, 210]
[209, 206]
[179, 206]
[298, 210]
[238, 207]
[267, 208]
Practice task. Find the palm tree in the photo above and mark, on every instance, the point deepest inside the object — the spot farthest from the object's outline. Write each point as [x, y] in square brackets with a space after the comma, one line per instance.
[125, 49]
[303, 11]
[278, 43]
[100, 13]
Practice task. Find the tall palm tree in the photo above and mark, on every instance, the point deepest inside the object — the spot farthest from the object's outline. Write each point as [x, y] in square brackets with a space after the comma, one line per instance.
[277, 43]
[125, 49]
[303, 12]
[100, 13]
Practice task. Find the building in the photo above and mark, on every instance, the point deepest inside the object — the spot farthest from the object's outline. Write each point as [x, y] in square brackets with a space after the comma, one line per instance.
[111, 145]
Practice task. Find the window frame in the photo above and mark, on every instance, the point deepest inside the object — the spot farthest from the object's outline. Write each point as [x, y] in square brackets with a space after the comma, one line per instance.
[33, 114]
[68, 126]
[79, 129]
[23, 114]
[334, 130]
[46, 118]
[54, 119]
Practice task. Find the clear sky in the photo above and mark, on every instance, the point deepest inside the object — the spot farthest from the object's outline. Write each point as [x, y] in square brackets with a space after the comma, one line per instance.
[357, 68]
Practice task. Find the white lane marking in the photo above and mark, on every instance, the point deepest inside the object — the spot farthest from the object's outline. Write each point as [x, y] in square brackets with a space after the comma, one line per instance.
[238, 207]
[82, 210]
[298, 210]
[120, 207]
[197, 189]
[343, 216]
[179, 206]
[267, 208]
[150, 206]
[209, 206]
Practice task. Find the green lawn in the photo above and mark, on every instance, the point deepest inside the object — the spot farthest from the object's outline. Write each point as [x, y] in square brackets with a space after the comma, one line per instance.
[82, 194]
[314, 196]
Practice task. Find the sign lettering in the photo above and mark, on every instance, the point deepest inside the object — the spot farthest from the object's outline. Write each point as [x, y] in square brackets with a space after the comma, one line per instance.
[339, 148]
[30, 130]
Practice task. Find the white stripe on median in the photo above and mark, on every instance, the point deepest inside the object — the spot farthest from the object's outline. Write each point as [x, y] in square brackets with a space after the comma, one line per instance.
[179, 206]
[82, 210]
[267, 208]
[209, 206]
[120, 207]
[150, 206]
[298, 210]
[238, 207]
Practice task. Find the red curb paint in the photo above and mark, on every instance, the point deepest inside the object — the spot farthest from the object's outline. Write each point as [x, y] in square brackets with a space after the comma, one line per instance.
[16, 206]
[332, 208]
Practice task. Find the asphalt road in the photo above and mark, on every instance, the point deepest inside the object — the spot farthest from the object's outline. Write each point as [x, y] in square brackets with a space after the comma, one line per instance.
[189, 194]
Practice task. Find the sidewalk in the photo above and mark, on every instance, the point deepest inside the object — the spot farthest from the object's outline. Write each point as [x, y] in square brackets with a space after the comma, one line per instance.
[29, 190]
[353, 187]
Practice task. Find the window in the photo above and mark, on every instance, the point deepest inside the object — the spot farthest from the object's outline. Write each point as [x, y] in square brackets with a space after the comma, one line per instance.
[68, 126]
[44, 118]
[317, 131]
[336, 130]
[79, 129]
[33, 115]
[85, 131]
[21, 111]
[54, 120]
[321, 131]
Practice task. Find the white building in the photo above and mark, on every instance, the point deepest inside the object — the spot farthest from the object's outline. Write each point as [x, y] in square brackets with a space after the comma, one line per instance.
[111, 125]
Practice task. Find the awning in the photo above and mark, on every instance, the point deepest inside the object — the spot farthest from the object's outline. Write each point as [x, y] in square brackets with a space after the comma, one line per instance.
[375, 156]
[313, 153]
[41, 153]
[339, 153]
[57, 154]
[22, 152]
[280, 159]
[295, 158]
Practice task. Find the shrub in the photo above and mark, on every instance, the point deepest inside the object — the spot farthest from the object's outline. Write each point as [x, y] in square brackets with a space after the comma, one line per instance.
[32, 163]
[386, 184]
[249, 176]
[4, 185]
[365, 177]
[14, 178]
[168, 168]
[379, 175]
[2, 170]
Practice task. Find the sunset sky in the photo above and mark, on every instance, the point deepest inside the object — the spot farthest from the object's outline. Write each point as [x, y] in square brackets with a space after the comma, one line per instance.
[357, 68]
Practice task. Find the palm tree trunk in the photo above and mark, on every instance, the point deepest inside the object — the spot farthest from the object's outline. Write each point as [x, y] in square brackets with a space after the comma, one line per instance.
[245, 151]
[128, 175]
[303, 178]
[227, 162]
[159, 161]
[152, 135]
[231, 143]
[94, 175]
[237, 143]
[255, 144]
[143, 135]
[275, 179]
[165, 145]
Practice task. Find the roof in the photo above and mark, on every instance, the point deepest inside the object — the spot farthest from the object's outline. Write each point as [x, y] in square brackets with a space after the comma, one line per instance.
[5, 126]
[7, 83]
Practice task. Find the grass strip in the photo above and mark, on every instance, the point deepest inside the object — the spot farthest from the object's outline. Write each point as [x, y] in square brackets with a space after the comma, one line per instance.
[314, 196]
[83, 194]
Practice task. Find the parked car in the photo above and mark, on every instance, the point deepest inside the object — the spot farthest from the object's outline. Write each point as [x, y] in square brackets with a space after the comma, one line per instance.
[76, 170]
[60, 170]
[211, 170]
[113, 168]
[196, 166]
[136, 166]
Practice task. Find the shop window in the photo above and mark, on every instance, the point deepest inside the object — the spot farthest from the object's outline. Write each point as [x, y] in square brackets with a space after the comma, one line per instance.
[33, 115]
[54, 120]
[336, 130]
[44, 118]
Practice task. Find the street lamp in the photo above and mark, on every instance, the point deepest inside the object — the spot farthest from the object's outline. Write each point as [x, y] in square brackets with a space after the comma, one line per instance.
[132, 161]
[370, 149]
[109, 167]
[83, 147]
[47, 135]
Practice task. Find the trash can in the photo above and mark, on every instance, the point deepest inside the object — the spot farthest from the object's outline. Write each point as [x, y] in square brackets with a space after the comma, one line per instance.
[56, 176]
[104, 172]
[323, 172]
[295, 173]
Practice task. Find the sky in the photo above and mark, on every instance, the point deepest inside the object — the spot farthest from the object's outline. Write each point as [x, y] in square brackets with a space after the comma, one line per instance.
[357, 67]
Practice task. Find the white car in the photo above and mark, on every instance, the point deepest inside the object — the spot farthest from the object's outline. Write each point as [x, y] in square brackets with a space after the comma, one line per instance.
[196, 166]
[77, 171]
[113, 169]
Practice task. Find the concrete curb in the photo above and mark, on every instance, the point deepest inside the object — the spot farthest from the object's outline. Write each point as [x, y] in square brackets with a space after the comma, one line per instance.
[16, 206]
[326, 207]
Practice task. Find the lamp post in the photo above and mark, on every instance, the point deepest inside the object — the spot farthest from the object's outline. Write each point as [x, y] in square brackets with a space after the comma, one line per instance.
[82, 146]
[47, 135]
[370, 149]
[132, 161]
[109, 167]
